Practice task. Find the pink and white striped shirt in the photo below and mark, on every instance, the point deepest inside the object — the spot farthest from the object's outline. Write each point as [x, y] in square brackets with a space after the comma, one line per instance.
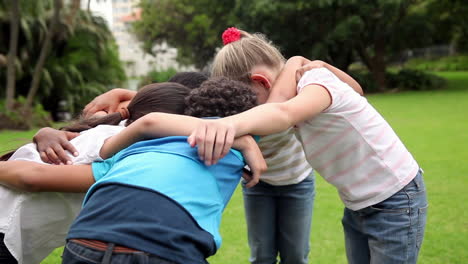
[353, 147]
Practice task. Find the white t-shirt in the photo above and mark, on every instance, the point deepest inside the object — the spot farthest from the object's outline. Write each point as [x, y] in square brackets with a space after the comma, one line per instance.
[35, 224]
[353, 147]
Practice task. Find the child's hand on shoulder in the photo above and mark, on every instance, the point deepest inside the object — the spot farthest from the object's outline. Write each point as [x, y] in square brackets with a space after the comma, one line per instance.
[53, 145]
[214, 139]
[309, 66]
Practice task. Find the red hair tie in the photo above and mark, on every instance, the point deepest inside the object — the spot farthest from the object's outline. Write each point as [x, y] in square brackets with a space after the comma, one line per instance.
[230, 35]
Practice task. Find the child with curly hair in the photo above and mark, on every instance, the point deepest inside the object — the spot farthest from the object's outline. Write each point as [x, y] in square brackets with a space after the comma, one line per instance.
[156, 170]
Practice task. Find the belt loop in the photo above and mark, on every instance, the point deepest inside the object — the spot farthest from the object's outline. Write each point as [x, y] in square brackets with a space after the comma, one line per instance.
[108, 254]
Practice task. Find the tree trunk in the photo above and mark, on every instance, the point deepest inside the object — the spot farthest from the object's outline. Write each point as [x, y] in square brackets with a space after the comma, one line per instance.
[379, 75]
[43, 55]
[11, 75]
[375, 64]
[379, 65]
[89, 5]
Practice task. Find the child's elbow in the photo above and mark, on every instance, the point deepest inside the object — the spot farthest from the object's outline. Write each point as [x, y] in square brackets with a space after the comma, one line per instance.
[148, 121]
[285, 115]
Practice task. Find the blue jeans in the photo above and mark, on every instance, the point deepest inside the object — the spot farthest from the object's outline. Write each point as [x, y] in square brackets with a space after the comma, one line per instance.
[279, 220]
[390, 231]
[75, 253]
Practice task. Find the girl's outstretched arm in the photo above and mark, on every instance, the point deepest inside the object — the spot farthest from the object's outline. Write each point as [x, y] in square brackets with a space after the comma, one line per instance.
[265, 119]
[109, 101]
[343, 76]
[285, 86]
[35, 177]
[153, 125]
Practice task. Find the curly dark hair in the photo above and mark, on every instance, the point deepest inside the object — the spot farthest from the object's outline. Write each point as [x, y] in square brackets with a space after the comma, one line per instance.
[220, 97]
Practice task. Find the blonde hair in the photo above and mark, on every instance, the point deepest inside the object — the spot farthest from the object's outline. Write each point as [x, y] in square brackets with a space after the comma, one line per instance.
[236, 59]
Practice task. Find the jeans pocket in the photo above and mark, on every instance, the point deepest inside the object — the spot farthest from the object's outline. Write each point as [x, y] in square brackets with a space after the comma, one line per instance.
[395, 204]
[422, 215]
[76, 253]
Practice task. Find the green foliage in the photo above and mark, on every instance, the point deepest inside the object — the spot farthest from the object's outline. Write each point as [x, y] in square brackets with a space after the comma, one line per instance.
[83, 61]
[336, 31]
[193, 27]
[37, 117]
[403, 80]
[87, 65]
[449, 18]
[450, 63]
[407, 79]
[366, 81]
[155, 76]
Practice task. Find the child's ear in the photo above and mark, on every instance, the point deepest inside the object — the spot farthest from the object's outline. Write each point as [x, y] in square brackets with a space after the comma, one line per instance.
[261, 80]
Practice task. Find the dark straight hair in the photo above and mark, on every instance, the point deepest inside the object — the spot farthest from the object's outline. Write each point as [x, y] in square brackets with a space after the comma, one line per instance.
[167, 97]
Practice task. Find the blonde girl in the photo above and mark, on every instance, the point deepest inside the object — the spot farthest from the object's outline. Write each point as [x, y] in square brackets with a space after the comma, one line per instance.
[344, 138]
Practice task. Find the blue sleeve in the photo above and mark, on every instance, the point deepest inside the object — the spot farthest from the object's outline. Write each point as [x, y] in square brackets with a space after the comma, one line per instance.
[100, 168]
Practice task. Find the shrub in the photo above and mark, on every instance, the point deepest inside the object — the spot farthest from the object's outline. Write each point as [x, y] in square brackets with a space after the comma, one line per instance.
[24, 120]
[408, 79]
[450, 63]
[157, 76]
[404, 80]
[366, 81]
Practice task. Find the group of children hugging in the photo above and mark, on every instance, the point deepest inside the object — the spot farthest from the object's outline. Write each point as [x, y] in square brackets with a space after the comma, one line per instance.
[143, 177]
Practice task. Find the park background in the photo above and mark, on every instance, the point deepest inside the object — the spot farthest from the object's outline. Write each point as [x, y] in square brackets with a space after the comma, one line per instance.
[410, 56]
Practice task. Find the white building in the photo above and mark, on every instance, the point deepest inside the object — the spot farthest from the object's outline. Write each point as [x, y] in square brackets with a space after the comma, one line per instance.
[119, 14]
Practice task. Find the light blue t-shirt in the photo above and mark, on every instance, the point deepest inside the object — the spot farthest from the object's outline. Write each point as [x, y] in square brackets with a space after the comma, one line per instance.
[170, 166]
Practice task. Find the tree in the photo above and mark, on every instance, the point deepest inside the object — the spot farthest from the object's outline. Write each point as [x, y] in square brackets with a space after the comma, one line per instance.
[451, 23]
[43, 55]
[385, 28]
[193, 27]
[82, 59]
[338, 31]
[14, 32]
[314, 29]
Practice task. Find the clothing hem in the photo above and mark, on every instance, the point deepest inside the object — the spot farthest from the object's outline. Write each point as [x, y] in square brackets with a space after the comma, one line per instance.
[385, 195]
[288, 182]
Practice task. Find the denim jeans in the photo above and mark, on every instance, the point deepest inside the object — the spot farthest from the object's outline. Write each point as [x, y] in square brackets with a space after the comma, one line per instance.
[75, 253]
[390, 231]
[279, 220]
[5, 255]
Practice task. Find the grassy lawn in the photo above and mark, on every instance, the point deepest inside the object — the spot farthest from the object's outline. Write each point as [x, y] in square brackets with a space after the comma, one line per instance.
[434, 127]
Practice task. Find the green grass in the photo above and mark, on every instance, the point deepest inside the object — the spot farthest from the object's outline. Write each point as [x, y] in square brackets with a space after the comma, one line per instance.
[434, 127]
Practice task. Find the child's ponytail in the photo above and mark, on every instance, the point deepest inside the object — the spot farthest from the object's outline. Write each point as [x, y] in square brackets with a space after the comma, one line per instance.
[85, 124]
[156, 97]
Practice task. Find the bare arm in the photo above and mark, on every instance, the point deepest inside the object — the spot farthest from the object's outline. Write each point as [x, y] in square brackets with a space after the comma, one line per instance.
[34, 177]
[153, 125]
[253, 156]
[109, 101]
[261, 120]
[157, 125]
[285, 84]
[343, 76]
